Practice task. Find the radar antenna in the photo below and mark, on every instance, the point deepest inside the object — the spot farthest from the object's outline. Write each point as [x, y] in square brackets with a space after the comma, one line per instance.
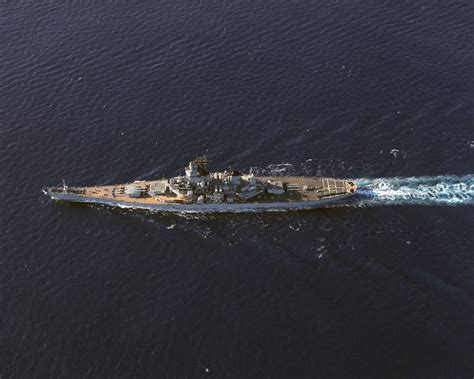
[202, 163]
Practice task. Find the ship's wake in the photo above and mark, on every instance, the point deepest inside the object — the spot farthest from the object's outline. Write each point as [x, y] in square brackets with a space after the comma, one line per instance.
[425, 190]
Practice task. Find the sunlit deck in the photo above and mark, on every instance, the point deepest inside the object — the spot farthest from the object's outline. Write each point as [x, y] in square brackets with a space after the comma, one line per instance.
[297, 189]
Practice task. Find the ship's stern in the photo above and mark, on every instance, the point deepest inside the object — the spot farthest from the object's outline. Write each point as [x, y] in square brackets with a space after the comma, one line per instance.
[350, 186]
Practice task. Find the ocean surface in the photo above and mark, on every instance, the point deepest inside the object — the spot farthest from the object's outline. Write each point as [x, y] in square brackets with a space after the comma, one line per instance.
[113, 91]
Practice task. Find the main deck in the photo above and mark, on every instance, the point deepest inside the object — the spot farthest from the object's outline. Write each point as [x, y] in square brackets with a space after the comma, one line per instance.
[298, 189]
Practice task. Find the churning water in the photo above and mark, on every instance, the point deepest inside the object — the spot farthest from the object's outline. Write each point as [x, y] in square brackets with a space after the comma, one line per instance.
[428, 190]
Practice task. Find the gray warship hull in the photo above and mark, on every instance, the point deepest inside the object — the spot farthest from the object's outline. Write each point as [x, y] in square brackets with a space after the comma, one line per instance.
[202, 191]
[202, 208]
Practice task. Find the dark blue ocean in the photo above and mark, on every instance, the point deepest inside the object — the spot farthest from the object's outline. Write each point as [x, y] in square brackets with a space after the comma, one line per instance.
[100, 92]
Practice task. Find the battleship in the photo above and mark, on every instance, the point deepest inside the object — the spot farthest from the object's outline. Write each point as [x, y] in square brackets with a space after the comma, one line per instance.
[199, 190]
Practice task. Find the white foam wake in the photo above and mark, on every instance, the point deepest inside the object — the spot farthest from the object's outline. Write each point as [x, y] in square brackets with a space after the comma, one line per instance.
[424, 190]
